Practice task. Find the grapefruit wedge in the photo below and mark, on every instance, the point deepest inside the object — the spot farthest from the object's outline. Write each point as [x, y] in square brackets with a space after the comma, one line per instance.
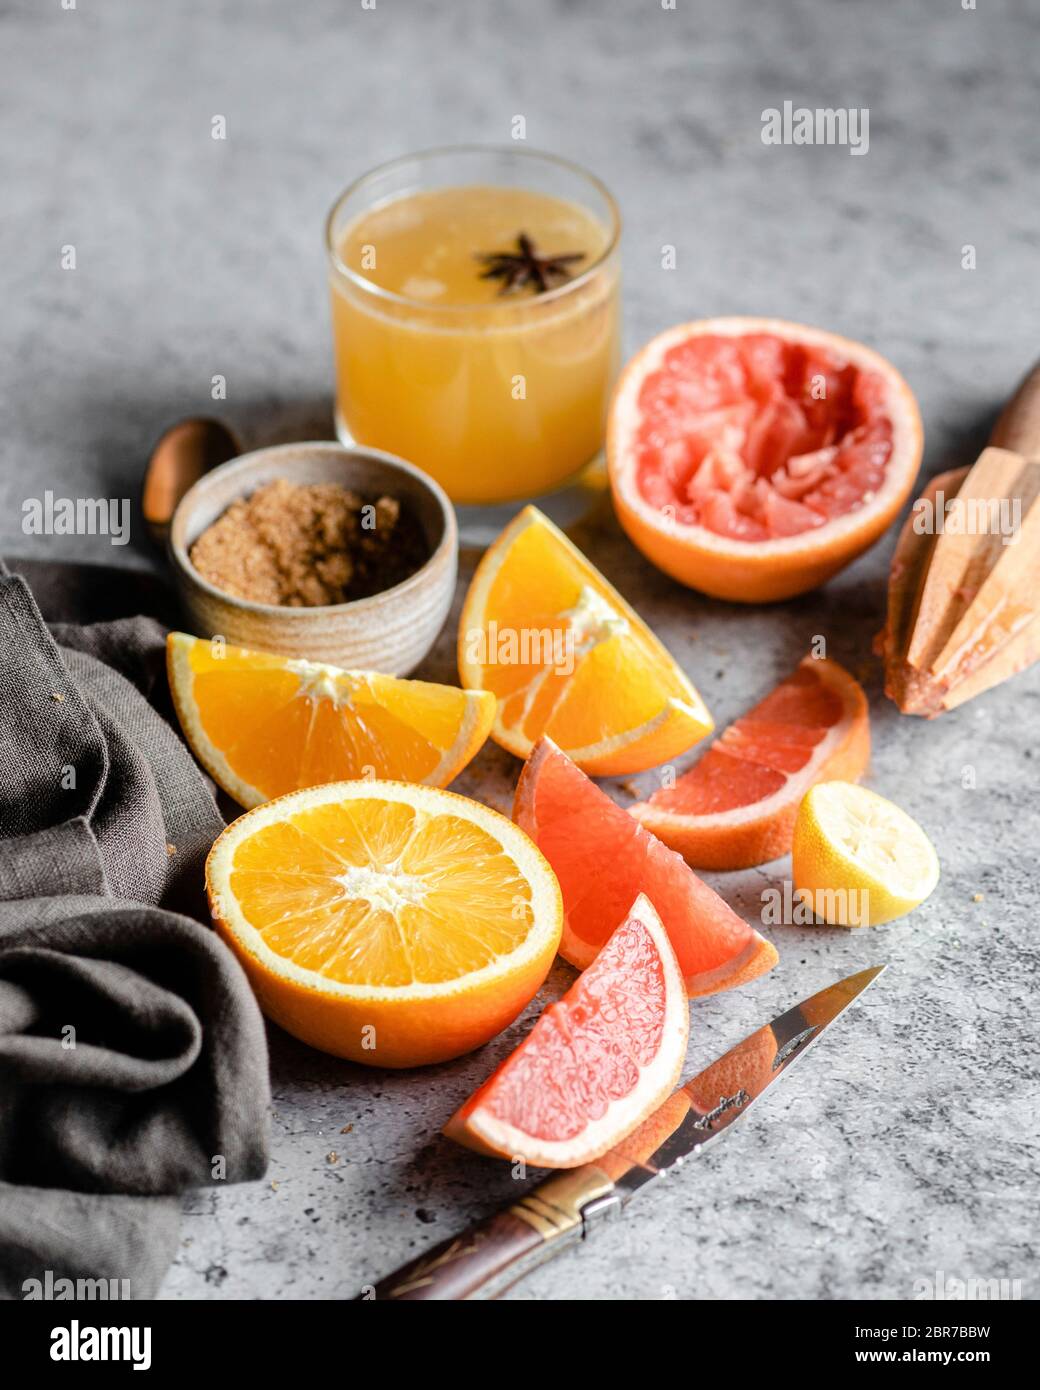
[602, 858]
[596, 1063]
[736, 807]
[752, 1060]
[753, 458]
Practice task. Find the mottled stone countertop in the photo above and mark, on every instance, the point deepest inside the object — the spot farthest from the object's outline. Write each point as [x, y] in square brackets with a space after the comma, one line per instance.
[908, 1142]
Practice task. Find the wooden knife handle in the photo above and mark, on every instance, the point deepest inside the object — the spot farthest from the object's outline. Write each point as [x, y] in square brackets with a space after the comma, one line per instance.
[495, 1253]
[463, 1267]
[1019, 425]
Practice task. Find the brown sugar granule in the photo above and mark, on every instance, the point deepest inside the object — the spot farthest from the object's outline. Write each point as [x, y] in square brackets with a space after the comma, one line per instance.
[302, 545]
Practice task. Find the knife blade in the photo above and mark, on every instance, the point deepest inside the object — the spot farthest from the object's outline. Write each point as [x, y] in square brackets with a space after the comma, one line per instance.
[571, 1204]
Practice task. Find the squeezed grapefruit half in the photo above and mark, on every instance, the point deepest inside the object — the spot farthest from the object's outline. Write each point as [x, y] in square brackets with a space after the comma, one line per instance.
[597, 1062]
[754, 458]
[602, 858]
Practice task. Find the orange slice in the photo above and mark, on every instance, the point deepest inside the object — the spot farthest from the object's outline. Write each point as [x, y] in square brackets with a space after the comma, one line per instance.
[602, 858]
[595, 1064]
[736, 807]
[392, 924]
[264, 725]
[566, 656]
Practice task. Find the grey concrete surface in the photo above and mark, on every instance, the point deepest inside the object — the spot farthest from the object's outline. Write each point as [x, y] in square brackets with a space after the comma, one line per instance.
[908, 1142]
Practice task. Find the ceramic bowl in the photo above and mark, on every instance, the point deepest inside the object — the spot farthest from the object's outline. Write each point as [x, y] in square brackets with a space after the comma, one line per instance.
[391, 631]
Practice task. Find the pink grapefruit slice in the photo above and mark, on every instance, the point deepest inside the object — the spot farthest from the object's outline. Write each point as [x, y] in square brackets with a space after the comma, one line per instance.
[754, 458]
[602, 858]
[736, 807]
[596, 1063]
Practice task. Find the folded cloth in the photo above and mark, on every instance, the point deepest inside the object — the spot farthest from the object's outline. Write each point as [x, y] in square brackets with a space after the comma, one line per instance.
[133, 1062]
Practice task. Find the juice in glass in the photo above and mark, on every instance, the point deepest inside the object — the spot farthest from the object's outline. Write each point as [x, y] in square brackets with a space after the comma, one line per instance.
[453, 349]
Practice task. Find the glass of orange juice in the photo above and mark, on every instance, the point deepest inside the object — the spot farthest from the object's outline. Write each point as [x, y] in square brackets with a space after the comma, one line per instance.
[476, 325]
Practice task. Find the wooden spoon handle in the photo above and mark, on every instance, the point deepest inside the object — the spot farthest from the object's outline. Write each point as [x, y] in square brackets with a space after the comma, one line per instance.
[1019, 425]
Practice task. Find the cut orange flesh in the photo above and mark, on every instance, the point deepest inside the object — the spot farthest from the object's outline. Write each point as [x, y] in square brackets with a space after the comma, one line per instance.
[595, 1064]
[264, 725]
[566, 656]
[601, 857]
[392, 924]
[753, 458]
[736, 807]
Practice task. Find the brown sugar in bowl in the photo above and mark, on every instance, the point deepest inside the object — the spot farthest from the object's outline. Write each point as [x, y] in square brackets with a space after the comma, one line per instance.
[390, 631]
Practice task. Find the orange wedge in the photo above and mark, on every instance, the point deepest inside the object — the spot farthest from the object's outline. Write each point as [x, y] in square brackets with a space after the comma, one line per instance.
[264, 725]
[566, 656]
[736, 807]
[392, 924]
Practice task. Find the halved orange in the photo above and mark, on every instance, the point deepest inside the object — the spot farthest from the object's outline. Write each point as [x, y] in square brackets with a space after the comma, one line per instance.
[753, 458]
[566, 656]
[264, 725]
[596, 1063]
[736, 807]
[392, 924]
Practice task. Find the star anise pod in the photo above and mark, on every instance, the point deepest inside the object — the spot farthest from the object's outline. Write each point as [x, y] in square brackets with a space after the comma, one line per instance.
[522, 267]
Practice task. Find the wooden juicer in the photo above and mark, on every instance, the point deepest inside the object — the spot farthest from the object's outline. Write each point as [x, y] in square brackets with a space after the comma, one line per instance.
[964, 587]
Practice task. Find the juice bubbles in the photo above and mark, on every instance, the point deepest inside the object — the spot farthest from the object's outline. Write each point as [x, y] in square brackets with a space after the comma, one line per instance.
[499, 393]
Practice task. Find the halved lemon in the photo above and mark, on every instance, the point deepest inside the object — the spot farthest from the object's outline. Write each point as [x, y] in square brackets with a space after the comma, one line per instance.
[392, 924]
[264, 725]
[566, 656]
[858, 860]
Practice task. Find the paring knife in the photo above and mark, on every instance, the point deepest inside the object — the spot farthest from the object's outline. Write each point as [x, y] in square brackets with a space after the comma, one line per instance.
[567, 1207]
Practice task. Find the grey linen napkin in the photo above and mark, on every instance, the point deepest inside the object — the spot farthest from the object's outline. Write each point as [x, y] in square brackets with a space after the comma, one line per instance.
[133, 1061]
